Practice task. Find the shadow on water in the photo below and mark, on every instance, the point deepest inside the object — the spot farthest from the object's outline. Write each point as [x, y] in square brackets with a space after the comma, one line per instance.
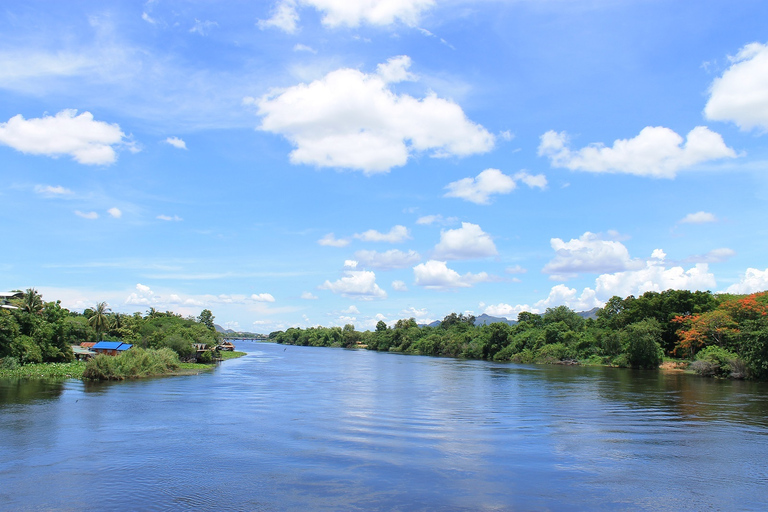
[24, 391]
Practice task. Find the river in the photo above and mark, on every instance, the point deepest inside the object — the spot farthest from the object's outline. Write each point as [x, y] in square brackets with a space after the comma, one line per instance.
[310, 429]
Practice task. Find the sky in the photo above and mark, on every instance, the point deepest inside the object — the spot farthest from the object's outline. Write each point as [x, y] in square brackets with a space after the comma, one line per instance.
[323, 162]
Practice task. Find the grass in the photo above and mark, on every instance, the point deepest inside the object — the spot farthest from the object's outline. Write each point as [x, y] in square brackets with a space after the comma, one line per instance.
[230, 355]
[138, 364]
[46, 371]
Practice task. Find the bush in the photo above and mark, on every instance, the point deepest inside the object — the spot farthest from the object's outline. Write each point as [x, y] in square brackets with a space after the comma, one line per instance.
[716, 361]
[131, 364]
[642, 342]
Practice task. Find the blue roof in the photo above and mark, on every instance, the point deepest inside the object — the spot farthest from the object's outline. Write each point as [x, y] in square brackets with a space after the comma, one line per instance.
[111, 345]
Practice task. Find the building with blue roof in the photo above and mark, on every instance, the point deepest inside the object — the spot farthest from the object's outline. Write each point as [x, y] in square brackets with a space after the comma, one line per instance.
[111, 348]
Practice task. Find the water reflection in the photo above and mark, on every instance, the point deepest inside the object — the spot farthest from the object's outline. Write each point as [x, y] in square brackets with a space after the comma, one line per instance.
[301, 428]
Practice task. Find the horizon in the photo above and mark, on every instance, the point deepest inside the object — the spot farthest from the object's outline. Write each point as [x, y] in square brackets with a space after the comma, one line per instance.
[294, 163]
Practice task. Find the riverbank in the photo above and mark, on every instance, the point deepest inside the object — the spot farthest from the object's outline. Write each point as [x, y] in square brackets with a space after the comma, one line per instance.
[76, 370]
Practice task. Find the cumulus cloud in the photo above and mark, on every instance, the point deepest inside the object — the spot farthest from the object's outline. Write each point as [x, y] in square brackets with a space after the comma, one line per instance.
[654, 277]
[353, 120]
[753, 280]
[588, 253]
[284, 17]
[87, 215]
[562, 295]
[330, 240]
[351, 310]
[396, 235]
[467, 242]
[356, 284]
[387, 260]
[436, 275]
[478, 190]
[308, 296]
[115, 212]
[263, 297]
[51, 191]
[740, 95]
[698, 218]
[176, 142]
[351, 14]
[350, 264]
[79, 136]
[399, 286]
[656, 152]
[507, 311]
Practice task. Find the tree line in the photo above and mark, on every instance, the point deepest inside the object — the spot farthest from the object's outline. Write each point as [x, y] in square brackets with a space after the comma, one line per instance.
[35, 331]
[720, 334]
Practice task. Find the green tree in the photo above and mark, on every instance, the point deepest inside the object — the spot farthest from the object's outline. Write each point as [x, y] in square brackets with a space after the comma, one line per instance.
[99, 320]
[206, 318]
[31, 301]
[642, 343]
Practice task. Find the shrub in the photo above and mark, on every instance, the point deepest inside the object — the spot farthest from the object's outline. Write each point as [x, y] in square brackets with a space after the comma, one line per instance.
[131, 364]
[714, 361]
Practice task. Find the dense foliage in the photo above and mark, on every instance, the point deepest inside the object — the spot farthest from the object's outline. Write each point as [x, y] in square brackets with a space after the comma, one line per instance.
[635, 332]
[39, 331]
[132, 364]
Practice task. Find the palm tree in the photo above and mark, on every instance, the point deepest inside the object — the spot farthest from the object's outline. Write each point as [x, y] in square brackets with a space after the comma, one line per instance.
[31, 301]
[100, 318]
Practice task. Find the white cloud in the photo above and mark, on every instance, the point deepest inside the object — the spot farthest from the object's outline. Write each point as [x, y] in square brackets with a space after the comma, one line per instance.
[562, 295]
[263, 297]
[740, 95]
[427, 220]
[396, 235]
[387, 260]
[176, 142]
[202, 27]
[351, 310]
[284, 17]
[422, 316]
[330, 240]
[752, 281]
[298, 47]
[146, 17]
[308, 296]
[79, 136]
[656, 152]
[51, 191]
[466, 242]
[478, 190]
[357, 284]
[654, 277]
[350, 119]
[698, 218]
[491, 181]
[507, 311]
[714, 256]
[517, 269]
[399, 286]
[337, 13]
[87, 215]
[115, 212]
[175, 218]
[436, 275]
[350, 264]
[588, 253]
[396, 70]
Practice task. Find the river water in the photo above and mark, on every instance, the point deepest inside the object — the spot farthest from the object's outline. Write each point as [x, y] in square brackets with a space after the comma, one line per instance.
[303, 429]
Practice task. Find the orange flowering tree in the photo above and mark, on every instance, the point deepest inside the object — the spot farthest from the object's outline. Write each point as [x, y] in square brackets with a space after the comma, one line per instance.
[712, 328]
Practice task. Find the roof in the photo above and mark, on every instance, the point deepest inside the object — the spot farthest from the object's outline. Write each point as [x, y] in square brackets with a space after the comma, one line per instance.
[87, 344]
[82, 350]
[111, 345]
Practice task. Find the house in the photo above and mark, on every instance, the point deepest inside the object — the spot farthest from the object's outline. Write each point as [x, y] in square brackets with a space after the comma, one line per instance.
[82, 353]
[5, 302]
[111, 348]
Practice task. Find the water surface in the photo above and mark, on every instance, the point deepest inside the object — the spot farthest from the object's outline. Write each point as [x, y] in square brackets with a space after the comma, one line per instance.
[302, 428]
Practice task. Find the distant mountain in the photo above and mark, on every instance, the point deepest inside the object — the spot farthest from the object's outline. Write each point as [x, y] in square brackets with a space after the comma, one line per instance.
[487, 319]
[222, 330]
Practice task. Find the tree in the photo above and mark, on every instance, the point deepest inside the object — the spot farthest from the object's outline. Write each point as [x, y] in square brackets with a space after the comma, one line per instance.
[206, 318]
[31, 301]
[642, 343]
[381, 326]
[99, 320]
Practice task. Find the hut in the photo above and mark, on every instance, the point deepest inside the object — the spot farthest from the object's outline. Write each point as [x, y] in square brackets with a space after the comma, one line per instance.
[111, 348]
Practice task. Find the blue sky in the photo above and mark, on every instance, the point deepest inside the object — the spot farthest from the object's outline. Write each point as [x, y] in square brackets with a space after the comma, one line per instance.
[315, 162]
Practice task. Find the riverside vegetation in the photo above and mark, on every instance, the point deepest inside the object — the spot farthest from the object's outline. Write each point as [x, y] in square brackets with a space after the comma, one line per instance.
[721, 335]
[36, 341]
